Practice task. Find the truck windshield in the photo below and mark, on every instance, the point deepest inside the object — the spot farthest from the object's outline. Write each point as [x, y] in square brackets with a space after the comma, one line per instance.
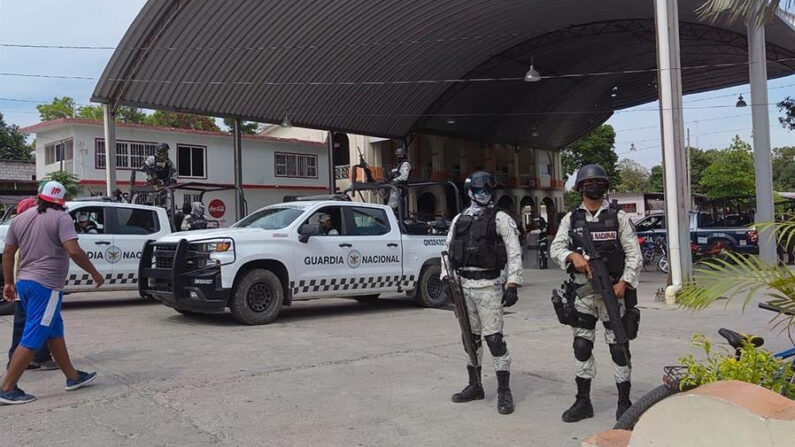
[270, 218]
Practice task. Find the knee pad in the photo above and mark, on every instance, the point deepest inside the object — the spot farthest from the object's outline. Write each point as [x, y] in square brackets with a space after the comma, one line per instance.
[582, 349]
[618, 354]
[496, 344]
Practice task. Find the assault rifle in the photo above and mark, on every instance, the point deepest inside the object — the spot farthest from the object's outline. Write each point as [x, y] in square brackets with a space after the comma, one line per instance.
[602, 285]
[368, 174]
[460, 306]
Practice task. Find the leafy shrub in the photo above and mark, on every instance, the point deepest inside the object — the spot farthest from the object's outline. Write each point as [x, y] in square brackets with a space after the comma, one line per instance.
[755, 365]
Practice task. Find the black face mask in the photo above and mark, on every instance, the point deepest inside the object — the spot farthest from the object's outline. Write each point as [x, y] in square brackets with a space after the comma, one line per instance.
[595, 191]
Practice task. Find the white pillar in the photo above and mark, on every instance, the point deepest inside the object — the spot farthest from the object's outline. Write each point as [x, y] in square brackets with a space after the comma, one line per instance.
[108, 116]
[677, 191]
[762, 159]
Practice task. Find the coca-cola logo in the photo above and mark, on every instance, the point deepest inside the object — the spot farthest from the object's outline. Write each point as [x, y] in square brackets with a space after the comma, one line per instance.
[217, 208]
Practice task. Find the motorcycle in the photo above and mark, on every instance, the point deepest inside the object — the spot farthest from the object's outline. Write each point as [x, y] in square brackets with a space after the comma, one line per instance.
[654, 251]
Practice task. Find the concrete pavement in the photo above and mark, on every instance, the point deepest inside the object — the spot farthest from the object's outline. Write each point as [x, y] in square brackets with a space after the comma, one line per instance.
[333, 372]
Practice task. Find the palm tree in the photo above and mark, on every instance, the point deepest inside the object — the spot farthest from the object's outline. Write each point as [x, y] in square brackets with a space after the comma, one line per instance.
[745, 275]
[712, 10]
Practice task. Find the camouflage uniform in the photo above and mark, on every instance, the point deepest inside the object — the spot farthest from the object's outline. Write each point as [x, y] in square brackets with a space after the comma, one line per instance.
[484, 296]
[594, 305]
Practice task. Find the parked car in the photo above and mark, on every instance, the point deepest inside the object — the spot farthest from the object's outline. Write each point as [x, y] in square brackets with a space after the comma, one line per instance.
[705, 232]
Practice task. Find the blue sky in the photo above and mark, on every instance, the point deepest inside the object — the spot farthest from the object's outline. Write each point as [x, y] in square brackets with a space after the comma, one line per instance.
[712, 118]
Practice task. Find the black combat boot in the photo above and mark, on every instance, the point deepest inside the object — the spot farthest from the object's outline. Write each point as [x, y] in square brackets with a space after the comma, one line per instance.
[582, 407]
[473, 391]
[504, 397]
[623, 398]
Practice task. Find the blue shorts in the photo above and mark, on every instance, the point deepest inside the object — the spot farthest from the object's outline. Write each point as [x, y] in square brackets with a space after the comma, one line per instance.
[43, 308]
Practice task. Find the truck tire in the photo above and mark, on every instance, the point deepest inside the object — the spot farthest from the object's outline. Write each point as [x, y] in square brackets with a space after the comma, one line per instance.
[367, 298]
[257, 298]
[7, 308]
[431, 291]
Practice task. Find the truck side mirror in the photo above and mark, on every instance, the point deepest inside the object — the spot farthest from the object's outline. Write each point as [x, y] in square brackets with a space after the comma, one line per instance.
[306, 230]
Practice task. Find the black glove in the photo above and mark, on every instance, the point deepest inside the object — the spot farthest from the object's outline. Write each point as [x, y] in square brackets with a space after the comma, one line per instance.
[509, 296]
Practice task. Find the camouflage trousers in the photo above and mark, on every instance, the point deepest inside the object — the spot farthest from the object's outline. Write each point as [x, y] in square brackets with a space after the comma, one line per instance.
[594, 305]
[484, 306]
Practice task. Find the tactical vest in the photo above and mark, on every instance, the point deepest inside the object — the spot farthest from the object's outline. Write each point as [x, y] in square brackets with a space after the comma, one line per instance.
[164, 173]
[396, 170]
[604, 232]
[476, 242]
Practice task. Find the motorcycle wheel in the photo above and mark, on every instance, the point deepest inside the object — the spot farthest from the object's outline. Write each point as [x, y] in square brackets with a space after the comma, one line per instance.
[662, 264]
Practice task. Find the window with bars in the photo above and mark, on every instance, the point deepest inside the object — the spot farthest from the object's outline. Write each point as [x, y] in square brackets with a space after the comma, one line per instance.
[58, 150]
[129, 154]
[295, 165]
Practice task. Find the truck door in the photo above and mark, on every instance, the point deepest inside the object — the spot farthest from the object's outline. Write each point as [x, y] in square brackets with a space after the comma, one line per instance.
[131, 227]
[374, 256]
[90, 224]
[319, 265]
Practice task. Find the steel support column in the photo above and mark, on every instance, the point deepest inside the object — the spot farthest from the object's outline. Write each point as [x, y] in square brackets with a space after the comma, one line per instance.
[108, 117]
[677, 190]
[332, 173]
[763, 167]
[237, 160]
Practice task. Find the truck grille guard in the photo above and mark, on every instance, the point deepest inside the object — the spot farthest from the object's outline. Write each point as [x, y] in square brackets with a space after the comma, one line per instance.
[171, 264]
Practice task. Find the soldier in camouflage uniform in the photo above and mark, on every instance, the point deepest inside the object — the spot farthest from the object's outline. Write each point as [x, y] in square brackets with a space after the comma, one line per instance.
[615, 240]
[483, 245]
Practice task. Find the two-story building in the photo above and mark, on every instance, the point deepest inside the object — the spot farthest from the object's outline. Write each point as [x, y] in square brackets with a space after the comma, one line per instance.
[531, 179]
[272, 167]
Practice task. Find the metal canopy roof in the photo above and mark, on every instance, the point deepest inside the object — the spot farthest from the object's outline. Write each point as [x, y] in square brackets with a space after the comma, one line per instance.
[391, 67]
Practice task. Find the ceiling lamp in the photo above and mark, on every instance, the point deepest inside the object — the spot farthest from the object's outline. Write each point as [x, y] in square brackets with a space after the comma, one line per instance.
[632, 147]
[741, 102]
[532, 74]
[286, 122]
[451, 121]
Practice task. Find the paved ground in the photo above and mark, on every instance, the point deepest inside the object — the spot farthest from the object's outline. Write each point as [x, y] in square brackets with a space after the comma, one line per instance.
[331, 372]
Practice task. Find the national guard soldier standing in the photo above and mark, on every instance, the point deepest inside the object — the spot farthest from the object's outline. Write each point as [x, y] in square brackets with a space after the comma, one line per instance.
[195, 220]
[615, 240]
[484, 251]
[398, 176]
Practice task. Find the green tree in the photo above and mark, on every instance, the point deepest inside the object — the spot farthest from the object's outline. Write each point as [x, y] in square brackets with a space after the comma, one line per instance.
[182, 121]
[596, 147]
[12, 142]
[788, 107]
[124, 114]
[70, 181]
[700, 160]
[656, 180]
[786, 180]
[783, 158]
[732, 173]
[58, 108]
[571, 199]
[634, 177]
[246, 127]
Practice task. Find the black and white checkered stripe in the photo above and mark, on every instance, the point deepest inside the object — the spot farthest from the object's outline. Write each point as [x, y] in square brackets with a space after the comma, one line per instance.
[85, 279]
[360, 283]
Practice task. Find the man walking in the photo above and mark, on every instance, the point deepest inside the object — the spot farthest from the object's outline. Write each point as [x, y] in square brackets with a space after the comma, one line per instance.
[47, 239]
[615, 240]
[484, 250]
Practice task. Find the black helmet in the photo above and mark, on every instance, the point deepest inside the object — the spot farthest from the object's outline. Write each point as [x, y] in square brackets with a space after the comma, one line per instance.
[162, 150]
[588, 172]
[400, 151]
[480, 179]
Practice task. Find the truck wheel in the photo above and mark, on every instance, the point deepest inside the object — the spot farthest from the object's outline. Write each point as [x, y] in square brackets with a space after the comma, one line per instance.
[431, 291]
[257, 298]
[367, 298]
[7, 308]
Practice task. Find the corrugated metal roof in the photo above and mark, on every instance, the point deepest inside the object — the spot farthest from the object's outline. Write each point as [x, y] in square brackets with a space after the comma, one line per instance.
[391, 67]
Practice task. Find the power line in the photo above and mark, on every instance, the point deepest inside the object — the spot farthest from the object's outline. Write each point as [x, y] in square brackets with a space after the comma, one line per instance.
[378, 83]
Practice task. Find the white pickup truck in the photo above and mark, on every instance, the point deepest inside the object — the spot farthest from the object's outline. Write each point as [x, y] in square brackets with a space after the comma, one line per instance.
[280, 254]
[115, 248]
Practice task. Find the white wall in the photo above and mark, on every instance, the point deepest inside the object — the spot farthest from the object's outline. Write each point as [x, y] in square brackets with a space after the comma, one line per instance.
[261, 185]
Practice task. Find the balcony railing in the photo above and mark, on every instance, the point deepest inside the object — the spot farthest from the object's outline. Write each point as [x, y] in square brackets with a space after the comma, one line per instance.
[342, 172]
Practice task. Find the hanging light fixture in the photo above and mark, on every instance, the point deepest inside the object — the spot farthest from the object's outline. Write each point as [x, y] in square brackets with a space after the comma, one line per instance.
[632, 147]
[741, 102]
[286, 122]
[450, 121]
[532, 74]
